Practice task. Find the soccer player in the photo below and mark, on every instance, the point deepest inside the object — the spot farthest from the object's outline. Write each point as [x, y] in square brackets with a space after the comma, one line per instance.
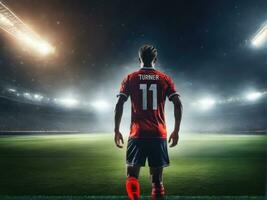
[148, 89]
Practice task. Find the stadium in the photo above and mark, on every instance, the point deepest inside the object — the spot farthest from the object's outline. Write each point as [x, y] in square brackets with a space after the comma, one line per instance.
[62, 63]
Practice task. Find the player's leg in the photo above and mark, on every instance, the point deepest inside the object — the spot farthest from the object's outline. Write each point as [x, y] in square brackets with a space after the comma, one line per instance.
[157, 159]
[132, 183]
[135, 158]
[133, 171]
[157, 183]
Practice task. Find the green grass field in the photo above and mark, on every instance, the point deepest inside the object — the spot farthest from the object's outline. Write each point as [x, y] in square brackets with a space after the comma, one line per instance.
[90, 164]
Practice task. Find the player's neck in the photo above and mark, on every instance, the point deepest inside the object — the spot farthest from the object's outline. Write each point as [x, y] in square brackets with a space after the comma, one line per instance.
[147, 66]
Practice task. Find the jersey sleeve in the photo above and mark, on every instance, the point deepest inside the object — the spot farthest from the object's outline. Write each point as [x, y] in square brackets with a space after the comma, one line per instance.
[124, 89]
[171, 89]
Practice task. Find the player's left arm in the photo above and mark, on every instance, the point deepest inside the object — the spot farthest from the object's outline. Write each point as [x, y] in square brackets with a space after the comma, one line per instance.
[118, 138]
[174, 97]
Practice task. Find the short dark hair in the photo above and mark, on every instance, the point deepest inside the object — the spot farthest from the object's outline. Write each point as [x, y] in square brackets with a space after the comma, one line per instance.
[147, 53]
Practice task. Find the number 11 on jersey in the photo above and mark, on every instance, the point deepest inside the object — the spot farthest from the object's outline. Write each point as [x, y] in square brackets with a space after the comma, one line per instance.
[153, 88]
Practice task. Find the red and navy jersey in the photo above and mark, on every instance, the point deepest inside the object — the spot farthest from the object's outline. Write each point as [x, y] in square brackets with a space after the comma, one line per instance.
[148, 89]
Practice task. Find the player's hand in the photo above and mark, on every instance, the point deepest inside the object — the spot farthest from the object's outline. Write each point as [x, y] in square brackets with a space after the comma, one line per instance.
[174, 137]
[118, 139]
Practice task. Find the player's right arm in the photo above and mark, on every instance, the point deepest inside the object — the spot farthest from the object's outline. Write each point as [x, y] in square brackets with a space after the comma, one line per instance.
[178, 109]
[118, 138]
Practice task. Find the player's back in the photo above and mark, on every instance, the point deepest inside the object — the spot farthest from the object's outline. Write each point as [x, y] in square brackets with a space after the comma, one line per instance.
[148, 89]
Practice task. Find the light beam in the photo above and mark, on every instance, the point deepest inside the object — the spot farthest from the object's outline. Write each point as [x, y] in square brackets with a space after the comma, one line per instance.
[67, 102]
[206, 103]
[253, 96]
[100, 105]
[260, 37]
[13, 25]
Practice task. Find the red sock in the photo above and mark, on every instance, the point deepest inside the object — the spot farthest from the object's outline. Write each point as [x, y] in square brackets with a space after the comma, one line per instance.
[133, 188]
[157, 191]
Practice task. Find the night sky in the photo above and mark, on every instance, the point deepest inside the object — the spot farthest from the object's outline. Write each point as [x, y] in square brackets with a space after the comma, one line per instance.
[203, 45]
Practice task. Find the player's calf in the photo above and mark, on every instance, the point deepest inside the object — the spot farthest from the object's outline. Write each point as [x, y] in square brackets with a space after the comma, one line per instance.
[133, 188]
[157, 192]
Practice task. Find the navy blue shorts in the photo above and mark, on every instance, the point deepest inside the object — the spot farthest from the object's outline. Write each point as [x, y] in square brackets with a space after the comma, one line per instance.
[153, 149]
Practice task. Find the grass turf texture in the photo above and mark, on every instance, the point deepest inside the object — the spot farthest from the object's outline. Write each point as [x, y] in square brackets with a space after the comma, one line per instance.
[90, 164]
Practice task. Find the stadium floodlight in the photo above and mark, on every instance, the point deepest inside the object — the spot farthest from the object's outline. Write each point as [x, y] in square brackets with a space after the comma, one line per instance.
[38, 97]
[100, 105]
[260, 37]
[41, 46]
[206, 103]
[11, 90]
[253, 96]
[13, 25]
[27, 95]
[67, 102]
